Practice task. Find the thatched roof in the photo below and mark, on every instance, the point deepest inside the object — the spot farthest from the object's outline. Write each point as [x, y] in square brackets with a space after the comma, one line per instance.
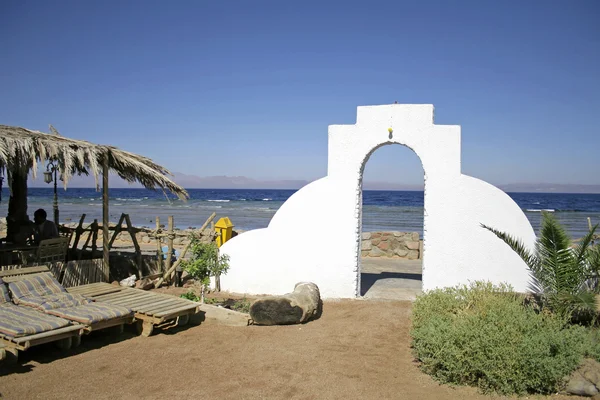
[26, 149]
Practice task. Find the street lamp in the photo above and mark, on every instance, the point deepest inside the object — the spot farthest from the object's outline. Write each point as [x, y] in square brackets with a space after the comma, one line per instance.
[50, 169]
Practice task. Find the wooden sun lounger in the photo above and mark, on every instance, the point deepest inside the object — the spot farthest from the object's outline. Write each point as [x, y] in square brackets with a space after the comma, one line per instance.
[150, 308]
[21, 273]
[69, 336]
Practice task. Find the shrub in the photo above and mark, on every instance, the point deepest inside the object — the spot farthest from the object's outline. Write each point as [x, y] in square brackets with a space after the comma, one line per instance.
[483, 335]
[204, 263]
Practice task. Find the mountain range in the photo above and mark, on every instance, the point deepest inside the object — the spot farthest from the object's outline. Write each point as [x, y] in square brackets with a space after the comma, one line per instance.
[243, 182]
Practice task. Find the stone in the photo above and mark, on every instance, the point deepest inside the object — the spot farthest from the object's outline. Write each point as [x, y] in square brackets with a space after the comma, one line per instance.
[366, 245]
[214, 315]
[366, 235]
[375, 252]
[364, 253]
[590, 370]
[386, 234]
[580, 386]
[145, 284]
[301, 305]
[178, 241]
[145, 239]
[384, 246]
[401, 252]
[414, 236]
[398, 234]
[375, 242]
[413, 255]
[412, 245]
[375, 235]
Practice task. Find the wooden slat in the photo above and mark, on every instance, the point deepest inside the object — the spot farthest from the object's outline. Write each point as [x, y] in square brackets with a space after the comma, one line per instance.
[160, 306]
[152, 305]
[159, 310]
[23, 271]
[119, 295]
[49, 334]
[128, 301]
[126, 292]
[166, 313]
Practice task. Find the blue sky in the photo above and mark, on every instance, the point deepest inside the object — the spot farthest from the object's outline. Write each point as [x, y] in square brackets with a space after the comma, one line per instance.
[249, 88]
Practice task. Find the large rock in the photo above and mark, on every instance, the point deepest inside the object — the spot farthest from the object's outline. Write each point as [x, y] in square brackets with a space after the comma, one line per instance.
[585, 380]
[302, 305]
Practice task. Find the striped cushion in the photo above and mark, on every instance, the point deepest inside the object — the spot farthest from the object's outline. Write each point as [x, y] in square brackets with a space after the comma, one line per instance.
[91, 313]
[4, 296]
[35, 285]
[17, 321]
[52, 301]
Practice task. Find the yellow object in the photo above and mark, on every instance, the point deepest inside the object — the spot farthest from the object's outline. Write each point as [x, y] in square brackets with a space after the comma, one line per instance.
[390, 130]
[224, 229]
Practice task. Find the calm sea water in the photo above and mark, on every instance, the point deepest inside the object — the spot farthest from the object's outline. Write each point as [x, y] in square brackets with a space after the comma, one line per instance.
[252, 209]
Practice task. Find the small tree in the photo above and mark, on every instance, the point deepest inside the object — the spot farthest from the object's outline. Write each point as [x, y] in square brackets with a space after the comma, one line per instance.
[204, 263]
[567, 277]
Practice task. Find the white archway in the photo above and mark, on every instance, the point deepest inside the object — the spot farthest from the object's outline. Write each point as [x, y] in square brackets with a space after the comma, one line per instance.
[372, 278]
[315, 235]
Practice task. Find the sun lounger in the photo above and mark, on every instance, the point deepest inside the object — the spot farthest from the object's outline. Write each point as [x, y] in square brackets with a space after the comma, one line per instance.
[41, 291]
[22, 327]
[151, 309]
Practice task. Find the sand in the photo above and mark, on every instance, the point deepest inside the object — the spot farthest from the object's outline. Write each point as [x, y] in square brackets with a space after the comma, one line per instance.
[358, 349]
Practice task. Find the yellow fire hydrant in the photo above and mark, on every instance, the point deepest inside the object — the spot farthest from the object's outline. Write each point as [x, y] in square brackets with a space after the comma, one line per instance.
[224, 229]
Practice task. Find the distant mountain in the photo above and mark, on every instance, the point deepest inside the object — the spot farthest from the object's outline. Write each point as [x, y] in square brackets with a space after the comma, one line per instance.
[243, 182]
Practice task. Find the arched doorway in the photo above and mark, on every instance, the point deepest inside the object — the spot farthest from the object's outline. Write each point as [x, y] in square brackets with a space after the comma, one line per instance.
[391, 223]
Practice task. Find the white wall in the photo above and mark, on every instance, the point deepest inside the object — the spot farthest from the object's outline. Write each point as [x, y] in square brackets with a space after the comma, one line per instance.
[456, 248]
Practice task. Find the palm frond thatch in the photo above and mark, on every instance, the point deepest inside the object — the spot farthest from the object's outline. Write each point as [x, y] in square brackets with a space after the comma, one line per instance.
[24, 149]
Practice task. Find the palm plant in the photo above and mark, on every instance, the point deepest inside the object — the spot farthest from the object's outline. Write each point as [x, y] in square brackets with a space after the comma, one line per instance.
[566, 277]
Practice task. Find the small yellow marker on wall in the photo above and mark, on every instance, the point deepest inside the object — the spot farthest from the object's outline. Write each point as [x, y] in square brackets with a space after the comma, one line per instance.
[390, 130]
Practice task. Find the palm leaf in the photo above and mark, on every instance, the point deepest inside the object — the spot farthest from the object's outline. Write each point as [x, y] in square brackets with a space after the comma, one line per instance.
[518, 247]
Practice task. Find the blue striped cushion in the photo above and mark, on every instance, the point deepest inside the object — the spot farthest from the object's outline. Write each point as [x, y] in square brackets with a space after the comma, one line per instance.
[17, 321]
[91, 313]
[35, 285]
[4, 296]
[52, 301]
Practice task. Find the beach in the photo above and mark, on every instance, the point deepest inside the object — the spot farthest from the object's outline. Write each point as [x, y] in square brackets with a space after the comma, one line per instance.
[357, 350]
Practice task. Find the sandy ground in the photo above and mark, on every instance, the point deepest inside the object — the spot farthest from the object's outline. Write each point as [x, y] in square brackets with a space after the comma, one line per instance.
[358, 349]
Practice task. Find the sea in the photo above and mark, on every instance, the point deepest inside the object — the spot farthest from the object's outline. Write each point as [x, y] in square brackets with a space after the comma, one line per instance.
[253, 208]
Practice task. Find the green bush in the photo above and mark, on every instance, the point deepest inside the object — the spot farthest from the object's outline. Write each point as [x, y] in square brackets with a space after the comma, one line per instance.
[204, 263]
[484, 335]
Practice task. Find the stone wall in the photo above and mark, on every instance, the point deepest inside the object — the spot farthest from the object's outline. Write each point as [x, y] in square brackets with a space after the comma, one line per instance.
[391, 244]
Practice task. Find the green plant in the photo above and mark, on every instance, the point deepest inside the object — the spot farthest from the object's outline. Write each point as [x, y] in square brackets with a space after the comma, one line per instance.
[483, 335]
[566, 277]
[190, 296]
[242, 305]
[205, 262]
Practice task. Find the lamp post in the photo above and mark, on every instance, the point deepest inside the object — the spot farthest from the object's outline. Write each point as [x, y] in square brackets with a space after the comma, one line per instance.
[50, 169]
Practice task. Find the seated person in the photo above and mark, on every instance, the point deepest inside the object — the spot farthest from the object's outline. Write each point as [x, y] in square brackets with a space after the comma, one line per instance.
[44, 229]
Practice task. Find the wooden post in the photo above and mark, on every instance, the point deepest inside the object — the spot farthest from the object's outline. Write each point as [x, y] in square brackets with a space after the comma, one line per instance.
[78, 232]
[590, 223]
[105, 253]
[159, 247]
[183, 253]
[138, 250]
[170, 248]
[118, 229]
[94, 237]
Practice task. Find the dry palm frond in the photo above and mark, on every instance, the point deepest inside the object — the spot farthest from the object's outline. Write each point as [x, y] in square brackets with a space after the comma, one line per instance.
[24, 149]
